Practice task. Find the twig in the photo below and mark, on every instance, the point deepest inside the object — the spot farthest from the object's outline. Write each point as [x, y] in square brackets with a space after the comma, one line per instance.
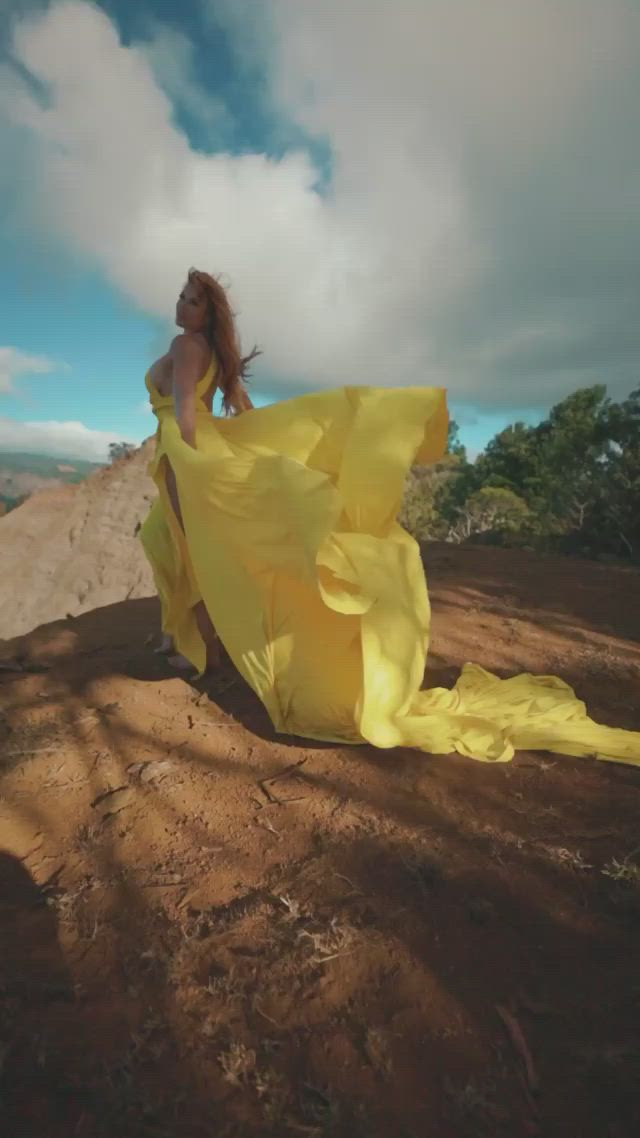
[265, 783]
[34, 849]
[63, 785]
[520, 1044]
[162, 884]
[268, 795]
[334, 956]
[265, 1016]
[287, 770]
[266, 825]
[347, 879]
[34, 751]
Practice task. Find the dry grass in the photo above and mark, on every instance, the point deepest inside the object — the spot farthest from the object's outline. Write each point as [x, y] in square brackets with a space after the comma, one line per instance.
[624, 870]
[238, 1064]
[568, 859]
[329, 944]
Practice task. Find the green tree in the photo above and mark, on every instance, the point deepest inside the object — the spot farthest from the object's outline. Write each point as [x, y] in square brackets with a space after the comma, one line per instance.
[120, 450]
[571, 483]
[8, 504]
[418, 514]
[509, 460]
[491, 510]
[613, 517]
[572, 449]
[421, 512]
[454, 446]
[559, 468]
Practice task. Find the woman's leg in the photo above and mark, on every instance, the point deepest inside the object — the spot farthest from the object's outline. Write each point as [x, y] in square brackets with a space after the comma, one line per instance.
[158, 547]
[203, 620]
[208, 634]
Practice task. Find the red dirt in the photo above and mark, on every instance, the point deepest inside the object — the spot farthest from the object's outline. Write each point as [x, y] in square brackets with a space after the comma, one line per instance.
[207, 953]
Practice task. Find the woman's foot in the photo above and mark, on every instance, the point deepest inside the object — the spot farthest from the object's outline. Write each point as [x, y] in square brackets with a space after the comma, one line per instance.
[165, 647]
[180, 663]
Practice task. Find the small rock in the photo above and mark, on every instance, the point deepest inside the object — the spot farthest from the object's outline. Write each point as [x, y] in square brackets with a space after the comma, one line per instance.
[114, 801]
[157, 769]
[150, 771]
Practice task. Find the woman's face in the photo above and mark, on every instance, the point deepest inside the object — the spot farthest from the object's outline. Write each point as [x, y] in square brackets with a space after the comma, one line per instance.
[191, 308]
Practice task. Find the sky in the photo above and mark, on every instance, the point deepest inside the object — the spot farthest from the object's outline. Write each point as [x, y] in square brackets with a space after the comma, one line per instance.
[438, 192]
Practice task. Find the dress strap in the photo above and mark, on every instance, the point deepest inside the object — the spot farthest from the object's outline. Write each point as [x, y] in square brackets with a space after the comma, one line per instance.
[204, 384]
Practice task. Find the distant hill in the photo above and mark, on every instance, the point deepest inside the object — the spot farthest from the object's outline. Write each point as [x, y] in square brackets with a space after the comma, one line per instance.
[21, 474]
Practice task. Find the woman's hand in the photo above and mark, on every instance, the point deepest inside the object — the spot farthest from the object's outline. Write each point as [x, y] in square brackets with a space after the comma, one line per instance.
[240, 400]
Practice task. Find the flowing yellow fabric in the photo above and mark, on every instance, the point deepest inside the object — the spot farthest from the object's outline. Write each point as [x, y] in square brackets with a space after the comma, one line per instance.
[318, 594]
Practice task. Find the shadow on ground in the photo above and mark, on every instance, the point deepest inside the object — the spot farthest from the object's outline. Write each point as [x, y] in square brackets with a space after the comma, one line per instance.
[209, 929]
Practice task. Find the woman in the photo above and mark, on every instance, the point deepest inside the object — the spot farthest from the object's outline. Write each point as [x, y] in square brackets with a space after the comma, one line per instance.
[277, 531]
[206, 355]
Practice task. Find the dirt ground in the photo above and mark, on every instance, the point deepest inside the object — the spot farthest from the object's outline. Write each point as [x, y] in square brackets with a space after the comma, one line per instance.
[206, 930]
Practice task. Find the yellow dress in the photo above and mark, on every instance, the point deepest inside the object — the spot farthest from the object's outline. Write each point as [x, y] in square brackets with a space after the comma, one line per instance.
[318, 594]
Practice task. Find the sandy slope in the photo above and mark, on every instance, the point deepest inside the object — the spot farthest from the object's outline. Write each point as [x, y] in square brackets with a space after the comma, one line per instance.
[72, 548]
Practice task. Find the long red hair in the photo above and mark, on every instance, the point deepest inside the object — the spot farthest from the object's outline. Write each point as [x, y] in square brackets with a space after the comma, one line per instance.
[223, 337]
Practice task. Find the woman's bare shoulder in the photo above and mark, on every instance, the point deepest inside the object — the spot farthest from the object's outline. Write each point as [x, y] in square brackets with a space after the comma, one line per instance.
[189, 344]
[190, 354]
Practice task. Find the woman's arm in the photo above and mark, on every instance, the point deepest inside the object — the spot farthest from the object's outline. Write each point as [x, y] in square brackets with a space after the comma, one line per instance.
[186, 356]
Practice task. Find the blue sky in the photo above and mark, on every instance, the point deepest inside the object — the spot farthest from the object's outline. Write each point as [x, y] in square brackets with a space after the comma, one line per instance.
[389, 203]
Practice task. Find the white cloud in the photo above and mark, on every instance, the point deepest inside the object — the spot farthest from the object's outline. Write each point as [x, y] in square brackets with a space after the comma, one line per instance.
[481, 228]
[513, 125]
[171, 56]
[15, 363]
[61, 439]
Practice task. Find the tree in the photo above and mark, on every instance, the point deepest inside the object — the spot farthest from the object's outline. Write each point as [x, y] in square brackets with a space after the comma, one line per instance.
[418, 514]
[8, 504]
[572, 448]
[120, 450]
[510, 459]
[421, 512]
[489, 510]
[454, 446]
[570, 484]
[613, 518]
[561, 468]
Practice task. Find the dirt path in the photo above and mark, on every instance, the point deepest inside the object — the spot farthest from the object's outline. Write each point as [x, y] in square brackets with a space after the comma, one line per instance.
[357, 947]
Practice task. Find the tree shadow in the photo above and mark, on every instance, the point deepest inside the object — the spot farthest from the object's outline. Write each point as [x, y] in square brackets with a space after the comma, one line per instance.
[560, 593]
